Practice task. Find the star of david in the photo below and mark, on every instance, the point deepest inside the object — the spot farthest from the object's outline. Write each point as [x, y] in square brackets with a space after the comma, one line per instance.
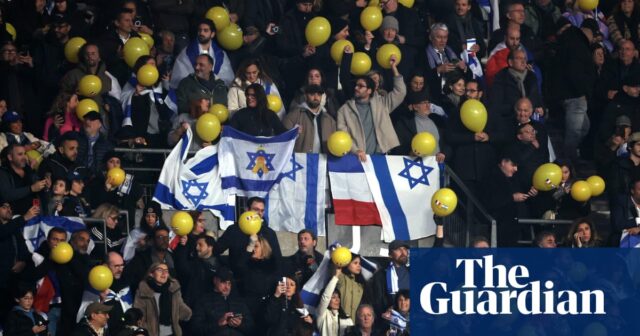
[262, 167]
[295, 166]
[199, 194]
[34, 241]
[424, 172]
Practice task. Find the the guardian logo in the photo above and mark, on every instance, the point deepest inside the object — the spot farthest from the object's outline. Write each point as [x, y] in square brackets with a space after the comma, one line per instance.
[505, 290]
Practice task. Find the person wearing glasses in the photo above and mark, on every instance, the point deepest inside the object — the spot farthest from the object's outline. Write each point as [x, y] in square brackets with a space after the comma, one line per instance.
[160, 299]
[158, 251]
[114, 238]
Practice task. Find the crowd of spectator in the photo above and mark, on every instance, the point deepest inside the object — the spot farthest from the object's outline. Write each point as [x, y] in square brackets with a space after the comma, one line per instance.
[560, 84]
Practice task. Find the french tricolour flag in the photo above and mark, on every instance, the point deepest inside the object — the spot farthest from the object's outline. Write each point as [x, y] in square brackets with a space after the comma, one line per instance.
[402, 187]
[352, 199]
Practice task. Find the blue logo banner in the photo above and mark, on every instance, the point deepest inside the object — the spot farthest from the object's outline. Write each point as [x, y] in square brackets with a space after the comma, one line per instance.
[592, 292]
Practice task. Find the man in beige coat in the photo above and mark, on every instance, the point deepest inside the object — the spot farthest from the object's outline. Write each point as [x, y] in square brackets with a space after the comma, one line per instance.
[366, 116]
[316, 125]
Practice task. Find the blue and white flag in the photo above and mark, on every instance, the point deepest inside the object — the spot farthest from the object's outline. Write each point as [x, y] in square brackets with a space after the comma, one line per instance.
[124, 297]
[402, 187]
[398, 321]
[194, 184]
[298, 201]
[251, 165]
[473, 63]
[629, 240]
[312, 290]
[155, 96]
[36, 229]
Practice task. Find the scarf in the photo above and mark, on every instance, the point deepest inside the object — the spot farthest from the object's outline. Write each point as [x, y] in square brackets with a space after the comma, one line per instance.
[392, 280]
[165, 300]
[519, 77]
[455, 99]
[434, 58]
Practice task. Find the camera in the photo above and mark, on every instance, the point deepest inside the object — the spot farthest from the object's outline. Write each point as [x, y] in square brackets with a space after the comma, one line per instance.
[275, 29]
[137, 23]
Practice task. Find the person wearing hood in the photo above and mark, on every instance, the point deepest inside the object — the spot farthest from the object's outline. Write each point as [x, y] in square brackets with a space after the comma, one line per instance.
[316, 125]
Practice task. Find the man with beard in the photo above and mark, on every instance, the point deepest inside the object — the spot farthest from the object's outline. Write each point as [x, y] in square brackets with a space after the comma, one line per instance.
[386, 283]
[157, 252]
[186, 61]
[90, 64]
[316, 125]
[195, 273]
[118, 296]
[306, 260]
[65, 161]
[19, 185]
[201, 84]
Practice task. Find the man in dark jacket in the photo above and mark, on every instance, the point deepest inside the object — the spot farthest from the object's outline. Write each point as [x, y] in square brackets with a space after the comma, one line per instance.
[93, 145]
[19, 185]
[624, 212]
[219, 312]
[158, 252]
[202, 82]
[577, 78]
[14, 251]
[625, 169]
[90, 64]
[304, 263]
[463, 27]
[113, 41]
[95, 322]
[64, 161]
[195, 273]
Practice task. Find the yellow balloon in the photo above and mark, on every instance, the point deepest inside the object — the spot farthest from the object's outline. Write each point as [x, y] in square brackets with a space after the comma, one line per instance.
[208, 127]
[406, 3]
[383, 56]
[85, 106]
[62, 253]
[72, 47]
[250, 223]
[341, 256]
[360, 64]
[423, 144]
[147, 75]
[100, 278]
[473, 115]
[318, 31]
[444, 202]
[89, 86]
[133, 49]
[339, 143]
[148, 39]
[274, 103]
[11, 30]
[371, 18]
[597, 185]
[374, 3]
[219, 111]
[588, 5]
[230, 38]
[34, 155]
[337, 49]
[546, 177]
[219, 16]
[580, 191]
[117, 176]
[182, 223]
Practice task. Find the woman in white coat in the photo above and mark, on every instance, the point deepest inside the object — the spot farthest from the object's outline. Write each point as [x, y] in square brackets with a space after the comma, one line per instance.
[332, 320]
[250, 72]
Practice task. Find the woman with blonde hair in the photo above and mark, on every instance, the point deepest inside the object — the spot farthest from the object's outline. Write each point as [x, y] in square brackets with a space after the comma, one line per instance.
[114, 238]
[160, 299]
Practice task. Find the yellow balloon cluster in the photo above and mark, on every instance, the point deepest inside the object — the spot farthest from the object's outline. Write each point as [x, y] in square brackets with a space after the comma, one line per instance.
[371, 18]
[182, 223]
[473, 115]
[383, 56]
[341, 256]
[250, 223]
[62, 253]
[72, 47]
[208, 127]
[580, 191]
[318, 31]
[337, 49]
[219, 111]
[588, 5]
[547, 177]
[339, 143]
[89, 86]
[85, 106]
[423, 144]
[274, 103]
[11, 30]
[117, 176]
[360, 64]
[597, 185]
[100, 278]
[133, 49]
[230, 38]
[444, 202]
[148, 75]
[219, 16]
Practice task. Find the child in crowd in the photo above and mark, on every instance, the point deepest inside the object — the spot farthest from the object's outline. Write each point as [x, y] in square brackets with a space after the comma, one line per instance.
[58, 194]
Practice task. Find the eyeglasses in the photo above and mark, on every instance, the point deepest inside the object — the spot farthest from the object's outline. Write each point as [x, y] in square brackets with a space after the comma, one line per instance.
[162, 237]
[161, 270]
[472, 91]
[118, 266]
[359, 86]
[114, 218]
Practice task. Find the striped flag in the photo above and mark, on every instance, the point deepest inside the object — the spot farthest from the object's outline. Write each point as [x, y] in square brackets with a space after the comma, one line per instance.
[629, 240]
[36, 230]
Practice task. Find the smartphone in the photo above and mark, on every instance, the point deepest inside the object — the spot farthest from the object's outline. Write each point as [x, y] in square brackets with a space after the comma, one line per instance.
[237, 315]
[36, 202]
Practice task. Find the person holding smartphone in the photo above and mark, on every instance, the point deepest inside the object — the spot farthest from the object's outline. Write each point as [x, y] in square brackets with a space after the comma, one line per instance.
[285, 311]
[23, 319]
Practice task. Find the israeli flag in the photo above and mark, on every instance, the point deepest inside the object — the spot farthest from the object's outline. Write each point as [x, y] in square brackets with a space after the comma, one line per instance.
[473, 63]
[299, 200]
[629, 240]
[155, 96]
[124, 297]
[251, 165]
[402, 188]
[194, 184]
[398, 321]
[36, 229]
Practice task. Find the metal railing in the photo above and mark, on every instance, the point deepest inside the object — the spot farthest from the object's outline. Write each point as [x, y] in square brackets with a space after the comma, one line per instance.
[470, 218]
[533, 222]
